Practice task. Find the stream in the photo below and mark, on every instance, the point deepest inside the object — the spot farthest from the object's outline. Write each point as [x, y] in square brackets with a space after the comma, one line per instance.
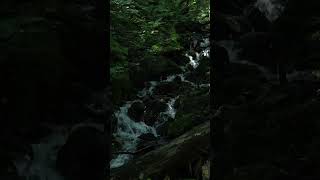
[128, 131]
[41, 165]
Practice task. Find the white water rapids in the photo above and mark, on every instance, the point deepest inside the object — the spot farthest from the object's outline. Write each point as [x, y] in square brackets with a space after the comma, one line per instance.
[41, 167]
[128, 130]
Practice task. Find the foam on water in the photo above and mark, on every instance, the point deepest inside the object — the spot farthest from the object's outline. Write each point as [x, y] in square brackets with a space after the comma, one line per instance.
[171, 111]
[147, 90]
[193, 62]
[128, 131]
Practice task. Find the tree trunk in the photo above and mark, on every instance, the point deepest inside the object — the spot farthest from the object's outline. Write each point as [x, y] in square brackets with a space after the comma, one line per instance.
[168, 158]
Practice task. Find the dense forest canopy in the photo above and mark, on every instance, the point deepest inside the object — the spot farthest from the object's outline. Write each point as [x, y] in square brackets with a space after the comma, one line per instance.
[149, 27]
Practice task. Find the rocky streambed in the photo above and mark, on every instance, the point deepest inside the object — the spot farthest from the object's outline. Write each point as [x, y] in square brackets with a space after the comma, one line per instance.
[159, 112]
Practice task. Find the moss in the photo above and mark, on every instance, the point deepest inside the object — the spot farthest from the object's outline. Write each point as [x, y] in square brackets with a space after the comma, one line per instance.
[121, 84]
[180, 125]
[169, 43]
[159, 66]
[119, 51]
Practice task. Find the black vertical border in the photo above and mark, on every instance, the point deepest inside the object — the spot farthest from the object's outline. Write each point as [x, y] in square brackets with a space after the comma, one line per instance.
[103, 20]
[212, 2]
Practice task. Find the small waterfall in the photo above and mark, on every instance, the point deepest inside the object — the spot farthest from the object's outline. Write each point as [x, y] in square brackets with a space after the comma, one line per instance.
[128, 131]
[171, 111]
[194, 62]
[271, 8]
[147, 90]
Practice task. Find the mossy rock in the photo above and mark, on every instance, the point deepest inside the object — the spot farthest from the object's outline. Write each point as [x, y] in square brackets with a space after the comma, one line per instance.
[137, 75]
[192, 109]
[121, 86]
[185, 122]
[180, 125]
[159, 66]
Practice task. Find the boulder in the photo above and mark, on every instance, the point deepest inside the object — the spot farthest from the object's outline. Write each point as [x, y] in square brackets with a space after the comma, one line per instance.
[177, 56]
[167, 88]
[137, 75]
[199, 75]
[121, 86]
[147, 137]
[153, 109]
[156, 67]
[136, 111]
[192, 109]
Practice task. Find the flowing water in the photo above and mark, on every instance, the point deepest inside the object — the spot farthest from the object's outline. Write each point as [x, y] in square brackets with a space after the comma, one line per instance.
[41, 165]
[128, 130]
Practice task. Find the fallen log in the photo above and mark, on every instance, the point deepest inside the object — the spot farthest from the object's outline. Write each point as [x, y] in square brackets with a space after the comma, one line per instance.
[167, 158]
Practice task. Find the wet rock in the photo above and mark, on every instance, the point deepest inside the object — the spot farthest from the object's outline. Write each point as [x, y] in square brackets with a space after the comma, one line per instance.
[192, 109]
[199, 74]
[84, 155]
[137, 75]
[147, 142]
[121, 86]
[177, 56]
[162, 129]
[167, 88]
[183, 123]
[189, 26]
[115, 146]
[153, 110]
[147, 137]
[177, 80]
[136, 111]
[159, 66]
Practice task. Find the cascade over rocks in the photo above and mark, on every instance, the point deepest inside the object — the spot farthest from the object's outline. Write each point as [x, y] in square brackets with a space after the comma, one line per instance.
[200, 74]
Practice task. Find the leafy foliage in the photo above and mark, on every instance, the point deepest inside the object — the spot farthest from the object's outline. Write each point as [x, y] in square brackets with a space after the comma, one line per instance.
[148, 25]
[141, 28]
